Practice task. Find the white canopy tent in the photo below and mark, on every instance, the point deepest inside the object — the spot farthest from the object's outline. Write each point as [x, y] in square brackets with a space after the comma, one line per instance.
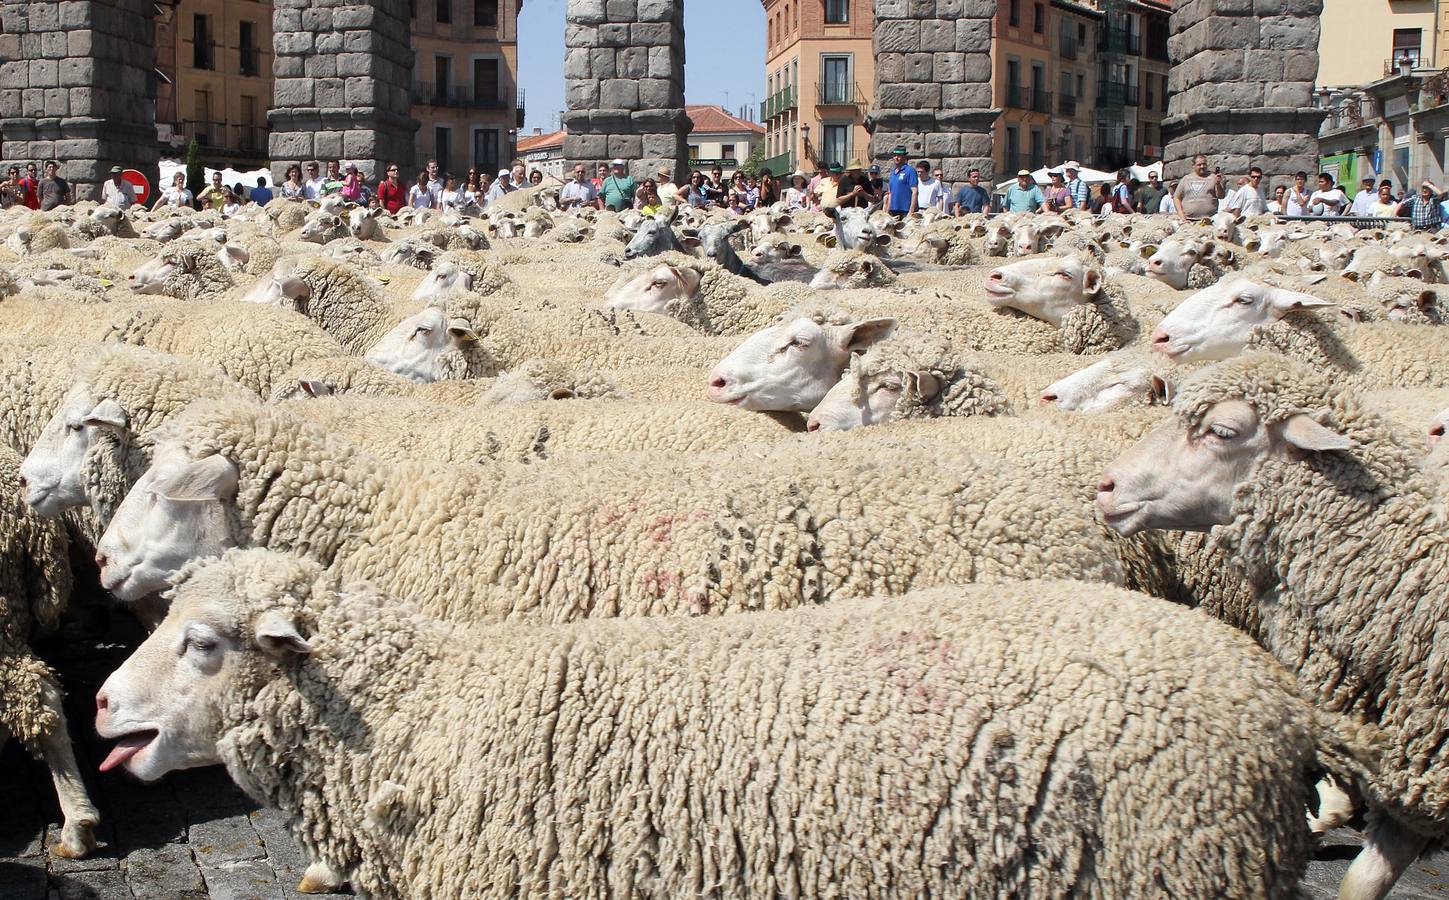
[1042, 177]
[229, 177]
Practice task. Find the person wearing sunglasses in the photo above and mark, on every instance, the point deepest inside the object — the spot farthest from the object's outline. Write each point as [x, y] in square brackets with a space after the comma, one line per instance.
[30, 181]
[315, 182]
[1248, 199]
[391, 195]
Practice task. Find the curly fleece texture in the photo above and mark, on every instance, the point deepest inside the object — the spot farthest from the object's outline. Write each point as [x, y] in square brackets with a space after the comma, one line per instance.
[345, 303]
[542, 544]
[542, 379]
[344, 375]
[198, 275]
[1368, 355]
[1355, 541]
[963, 390]
[1046, 739]
[401, 430]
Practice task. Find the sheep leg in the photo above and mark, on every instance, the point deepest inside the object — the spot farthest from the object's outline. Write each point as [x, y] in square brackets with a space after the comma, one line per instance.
[77, 835]
[320, 878]
[1387, 851]
[1335, 806]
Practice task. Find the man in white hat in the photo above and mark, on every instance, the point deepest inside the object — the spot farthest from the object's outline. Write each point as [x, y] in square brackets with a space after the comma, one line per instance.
[1024, 196]
[1076, 187]
[118, 192]
[502, 185]
[619, 188]
[668, 190]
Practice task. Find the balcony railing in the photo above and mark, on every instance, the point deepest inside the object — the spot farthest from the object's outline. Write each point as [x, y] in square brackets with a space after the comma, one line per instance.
[839, 93]
[222, 137]
[1110, 157]
[1041, 101]
[251, 60]
[1112, 94]
[779, 102]
[203, 54]
[1021, 96]
[1391, 66]
[463, 96]
[1066, 105]
[1119, 40]
[1067, 47]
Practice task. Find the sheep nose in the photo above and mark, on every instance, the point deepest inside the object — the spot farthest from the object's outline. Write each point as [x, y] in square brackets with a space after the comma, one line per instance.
[102, 702]
[101, 560]
[813, 424]
[1160, 338]
[1436, 433]
[996, 275]
[1048, 397]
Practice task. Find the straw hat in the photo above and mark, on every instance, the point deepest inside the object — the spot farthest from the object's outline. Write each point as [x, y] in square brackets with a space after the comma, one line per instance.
[800, 175]
[855, 164]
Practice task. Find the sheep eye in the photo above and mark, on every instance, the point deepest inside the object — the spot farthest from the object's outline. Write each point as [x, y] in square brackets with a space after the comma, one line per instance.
[1243, 300]
[797, 343]
[73, 426]
[1223, 431]
[892, 387]
[1066, 275]
[422, 330]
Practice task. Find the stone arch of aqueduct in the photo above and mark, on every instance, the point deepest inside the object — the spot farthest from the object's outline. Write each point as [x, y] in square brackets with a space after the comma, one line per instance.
[74, 75]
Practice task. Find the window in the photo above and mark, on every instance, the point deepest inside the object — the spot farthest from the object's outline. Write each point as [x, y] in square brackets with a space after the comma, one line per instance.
[249, 136]
[486, 155]
[1038, 148]
[835, 143]
[1151, 81]
[201, 106]
[485, 13]
[486, 91]
[1407, 42]
[203, 52]
[443, 147]
[1066, 85]
[835, 81]
[1081, 85]
[1013, 147]
[1038, 18]
[247, 45]
[445, 16]
[442, 68]
[837, 12]
[1013, 15]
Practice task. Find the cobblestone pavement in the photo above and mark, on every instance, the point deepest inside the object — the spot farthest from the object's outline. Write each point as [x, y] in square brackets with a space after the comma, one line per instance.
[196, 836]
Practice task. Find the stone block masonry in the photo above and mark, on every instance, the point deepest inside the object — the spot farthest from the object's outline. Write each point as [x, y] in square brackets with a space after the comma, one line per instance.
[341, 84]
[624, 84]
[933, 83]
[1242, 86]
[75, 87]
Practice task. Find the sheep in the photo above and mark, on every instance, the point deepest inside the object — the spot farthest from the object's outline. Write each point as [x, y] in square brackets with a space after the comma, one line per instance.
[1368, 355]
[1215, 322]
[844, 269]
[1009, 791]
[99, 440]
[235, 474]
[185, 273]
[288, 215]
[1343, 520]
[543, 379]
[343, 375]
[908, 376]
[944, 243]
[35, 588]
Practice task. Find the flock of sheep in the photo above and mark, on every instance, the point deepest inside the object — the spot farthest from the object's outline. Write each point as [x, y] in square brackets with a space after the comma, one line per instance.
[576, 554]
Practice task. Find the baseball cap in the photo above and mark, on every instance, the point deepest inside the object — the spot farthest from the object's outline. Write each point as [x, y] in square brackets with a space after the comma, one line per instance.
[502, 173]
[875, 170]
[617, 162]
[116, 170]
[1023, 172]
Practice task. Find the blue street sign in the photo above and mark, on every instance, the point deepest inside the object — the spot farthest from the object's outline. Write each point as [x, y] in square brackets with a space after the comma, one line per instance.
[1378, 160]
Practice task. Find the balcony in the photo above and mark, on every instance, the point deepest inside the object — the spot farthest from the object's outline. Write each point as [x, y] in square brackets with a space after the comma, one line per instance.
[1066, 105]
[223, 138]
[839, 93]
[464, 97]
[1391, 66]
[1020, 96]
[1041, 101]
[1119, 40]
[1112, 94]
[781, 101]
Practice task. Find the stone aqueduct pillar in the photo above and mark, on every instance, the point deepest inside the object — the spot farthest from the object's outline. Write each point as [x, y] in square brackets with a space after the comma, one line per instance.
[75, 87]
[342, 74]
[933, 83]
[624, 84]
[1242, 85]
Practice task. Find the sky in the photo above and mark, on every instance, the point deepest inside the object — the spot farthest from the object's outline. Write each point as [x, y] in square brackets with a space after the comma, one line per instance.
[724, 52]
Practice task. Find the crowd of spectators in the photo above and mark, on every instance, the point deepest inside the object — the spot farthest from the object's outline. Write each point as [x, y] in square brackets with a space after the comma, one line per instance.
[901, 189]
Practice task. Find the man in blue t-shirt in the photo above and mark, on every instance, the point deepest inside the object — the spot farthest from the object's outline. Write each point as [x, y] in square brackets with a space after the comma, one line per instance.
[904, 185]
[972, 197]
[261, 194]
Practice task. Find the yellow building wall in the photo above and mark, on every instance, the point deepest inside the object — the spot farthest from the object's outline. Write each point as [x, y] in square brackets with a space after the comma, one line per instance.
[809, 111]
[222, 95]
[1356, 37]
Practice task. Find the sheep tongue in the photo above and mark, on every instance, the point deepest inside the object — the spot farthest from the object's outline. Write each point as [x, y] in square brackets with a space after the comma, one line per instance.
[125, 748]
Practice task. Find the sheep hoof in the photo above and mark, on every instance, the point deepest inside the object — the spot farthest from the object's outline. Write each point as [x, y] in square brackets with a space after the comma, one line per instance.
[319, 879]
[77, 841]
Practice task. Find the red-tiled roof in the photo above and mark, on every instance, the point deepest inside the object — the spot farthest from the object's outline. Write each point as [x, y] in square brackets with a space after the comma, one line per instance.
[534, 142]
[710, 118]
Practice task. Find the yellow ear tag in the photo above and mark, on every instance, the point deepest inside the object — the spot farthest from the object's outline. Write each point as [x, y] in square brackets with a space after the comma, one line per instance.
[107, 283]
[384, 278]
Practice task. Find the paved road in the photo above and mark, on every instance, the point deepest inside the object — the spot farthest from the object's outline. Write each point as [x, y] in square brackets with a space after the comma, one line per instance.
[196, 836]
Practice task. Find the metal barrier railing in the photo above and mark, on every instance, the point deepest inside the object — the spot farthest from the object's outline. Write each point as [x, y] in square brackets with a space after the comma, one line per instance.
[1355, 221]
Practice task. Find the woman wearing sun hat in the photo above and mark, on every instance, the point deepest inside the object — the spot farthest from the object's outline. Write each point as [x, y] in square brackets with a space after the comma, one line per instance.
[797, 196]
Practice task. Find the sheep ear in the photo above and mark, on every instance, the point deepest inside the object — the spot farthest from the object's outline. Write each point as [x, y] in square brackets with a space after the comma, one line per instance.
[862, 334]
[107, 412]
[1427, 298]
[690, 242]
[1147, 250]
[1306, 434]
[1285, 301]
[1163, 391]
[278, 636]
[210, 478]
[926, 385]
[792, 250]
[739, 225]
[461, 331]
[1092, 281]
[689, 275]
[827, 239]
